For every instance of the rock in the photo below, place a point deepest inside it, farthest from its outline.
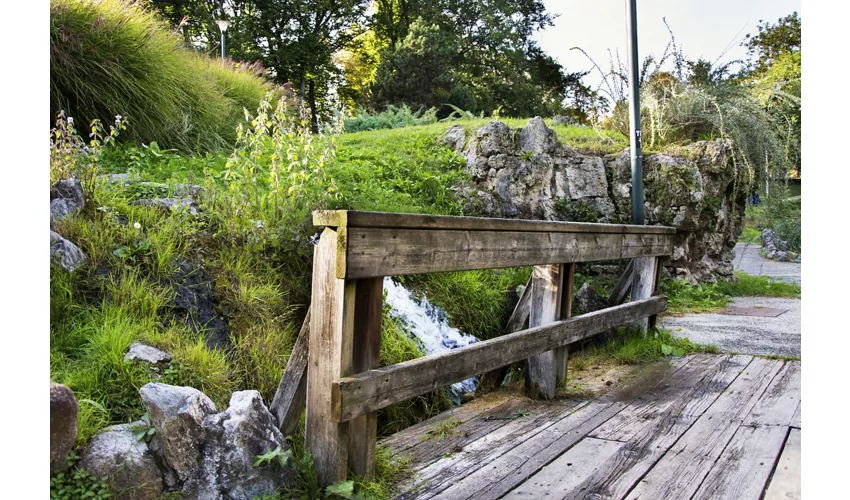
(454, 137)
(234, 437)
(586, 178)
(588, 300)
(173, 204)
(131, 467)
(193, 304)
(66, 198)
(563, 120)
(63, 425)
(141, 353)
(774, 248)
(178, 415)
(537, 138)
(69, 256)
(494, 138)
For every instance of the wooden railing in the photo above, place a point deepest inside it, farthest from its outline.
(345, 385)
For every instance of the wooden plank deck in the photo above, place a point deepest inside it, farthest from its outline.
(711, 426)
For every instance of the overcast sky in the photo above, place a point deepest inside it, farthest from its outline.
(701, 28)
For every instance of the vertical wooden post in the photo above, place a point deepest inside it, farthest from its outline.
(656, 288)
(541, 379)
(329, 358)
(565, 310)
(643, 285)
(363, 430)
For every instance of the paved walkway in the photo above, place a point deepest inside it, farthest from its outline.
(749, 334)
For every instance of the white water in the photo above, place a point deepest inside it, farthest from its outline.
(428, 323)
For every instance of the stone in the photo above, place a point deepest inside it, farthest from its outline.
(234, 437)
(131, 466)
(69, 256)
(588, 300)
(172, 204)
(454, 137)
(66, 198)
(177, 414)
(63, 425)
(141, 353)
(563, 120)
(537, 138)
(586, 178)
(494, 138)
(193, 304)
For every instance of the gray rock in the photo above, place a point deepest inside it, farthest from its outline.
(66, 198)
(194, 305)
(141, 353)
(563, 120)
(234, 437)
(588, 300)
(178, 415)
(494, 138)
(69, 256)
(454, 137)
(63, 425)
(131, 467)
(586, 179)
(186, 204)
(537, 138)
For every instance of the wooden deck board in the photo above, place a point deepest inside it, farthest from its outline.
(710, 426)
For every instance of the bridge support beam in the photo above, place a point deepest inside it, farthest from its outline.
(551, 300)
(645, 280)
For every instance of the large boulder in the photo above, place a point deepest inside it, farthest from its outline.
(128, 462)
(63, 425)
(233, 438)
(69, 255)
(537, 138)
(177, 414)
(588, 300)
(455, 137)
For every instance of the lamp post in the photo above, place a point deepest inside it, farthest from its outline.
(634, 117)
(223, 24)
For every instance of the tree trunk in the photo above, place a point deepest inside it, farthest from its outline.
(311, 96)
(301, 95)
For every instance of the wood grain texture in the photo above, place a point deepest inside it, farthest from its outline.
(363, 430)
(796, 421)
(541, 376)
(329, 358)
(744, 467)
(343, 218)
(382, 387)
(623, 286)
(786, 481)
(372, 252)
(290, 398)
(779, 403)
(681, 470)
(565, 311)
(643, 284)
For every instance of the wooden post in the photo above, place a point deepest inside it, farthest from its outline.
(363, 430)
(565, 310)
(643, 285)
(290, 397)
(329, 358)
(656, 289)
(541, 379)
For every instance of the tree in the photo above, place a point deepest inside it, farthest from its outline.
(772, 41)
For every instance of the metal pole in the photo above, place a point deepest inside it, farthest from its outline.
(222, 45)
(634, 118)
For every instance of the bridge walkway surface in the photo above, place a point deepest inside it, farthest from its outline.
(717, 426)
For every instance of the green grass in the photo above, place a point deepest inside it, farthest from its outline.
(629, 347)
(114, 57)
(759, 286)
(707, 297)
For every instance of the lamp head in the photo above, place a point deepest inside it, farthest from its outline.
(223, 24)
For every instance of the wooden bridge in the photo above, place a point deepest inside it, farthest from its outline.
(708, 426)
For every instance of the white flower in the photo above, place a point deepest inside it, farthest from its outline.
(118, 117)
(137, 225)
(70, 120)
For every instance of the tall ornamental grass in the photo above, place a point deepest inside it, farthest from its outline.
(114, 57)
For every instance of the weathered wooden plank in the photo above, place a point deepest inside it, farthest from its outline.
(329, 358)
(565, 311)
(342, 218)
(541, 376)
(744, 467)
(651, 425)
(796, 421)
(569, 470)
(372, 252)
(484, 454)
(517, 322)
(291, 395)
(623, 286)
(643, 285)
(785, 483)
(382, 387)
(680, 471)
(780, 401)
(363, 430)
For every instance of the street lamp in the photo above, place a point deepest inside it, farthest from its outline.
(223, 24)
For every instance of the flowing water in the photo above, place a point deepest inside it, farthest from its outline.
(428, 324)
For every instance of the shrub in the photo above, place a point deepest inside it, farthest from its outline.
(392, 117)
(113, 57)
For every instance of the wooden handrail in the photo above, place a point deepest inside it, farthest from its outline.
(382, 387)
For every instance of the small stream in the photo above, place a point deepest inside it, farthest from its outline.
(429, 325)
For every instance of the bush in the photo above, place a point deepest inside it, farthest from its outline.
(113, 57)
(392, 117)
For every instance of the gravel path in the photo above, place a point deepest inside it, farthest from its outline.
(748, 334)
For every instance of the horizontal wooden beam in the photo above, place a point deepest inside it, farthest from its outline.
(372, 252)
(382, 387)
(346, 218)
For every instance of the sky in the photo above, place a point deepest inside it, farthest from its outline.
(701, 28)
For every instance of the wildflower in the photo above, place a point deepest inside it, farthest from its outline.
(137, 225)
(118, 117)
(70, 120)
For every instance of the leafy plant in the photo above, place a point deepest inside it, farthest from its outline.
(282, 457)
(132, 251)
(78, 483)
(146, 431)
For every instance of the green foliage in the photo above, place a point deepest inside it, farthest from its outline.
(780, 214)
(772, 42)
(392, 117)
(575, 211)
(114, 57)
(759, 286)
(76, 484)
(630, 347)
(686, 298)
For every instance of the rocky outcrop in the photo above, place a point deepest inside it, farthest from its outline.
(67, 254)
(63, 425)
(66, 198)
(128, 462)
(525, 173)
(775, 248)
